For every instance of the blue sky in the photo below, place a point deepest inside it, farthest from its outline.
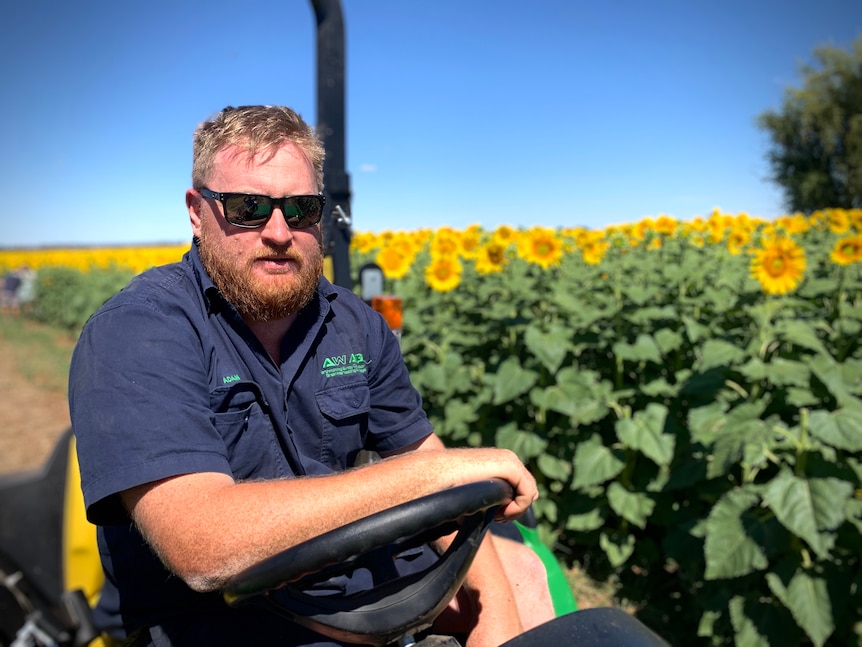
(547, 112)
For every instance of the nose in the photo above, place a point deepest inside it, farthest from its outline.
(276, 229)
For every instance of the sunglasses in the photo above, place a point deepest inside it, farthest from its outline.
(251, 211)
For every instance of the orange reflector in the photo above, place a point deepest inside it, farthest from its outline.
(391, 309)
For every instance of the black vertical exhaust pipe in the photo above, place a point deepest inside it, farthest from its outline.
(330, 128)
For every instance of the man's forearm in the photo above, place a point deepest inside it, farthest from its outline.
(207, 528)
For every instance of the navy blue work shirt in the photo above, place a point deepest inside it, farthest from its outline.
(167, 379)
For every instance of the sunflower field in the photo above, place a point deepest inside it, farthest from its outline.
(71, 283)
(687, 393)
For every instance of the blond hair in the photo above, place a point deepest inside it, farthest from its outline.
(255, 129)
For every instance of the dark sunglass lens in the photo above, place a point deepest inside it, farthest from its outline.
(247, 210)
(307, 212)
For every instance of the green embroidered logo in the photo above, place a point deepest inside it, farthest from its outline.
(343, 365)
(227, 379)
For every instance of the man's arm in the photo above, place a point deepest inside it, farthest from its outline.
(206, 527)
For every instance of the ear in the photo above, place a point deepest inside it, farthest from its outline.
(194, 203)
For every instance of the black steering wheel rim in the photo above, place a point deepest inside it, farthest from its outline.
(402, 604)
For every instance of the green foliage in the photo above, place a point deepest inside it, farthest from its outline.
(816, 154)
(39, 353)
(66, 297)
(691, 436)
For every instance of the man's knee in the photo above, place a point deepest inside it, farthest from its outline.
(522, 561)
(529, 581)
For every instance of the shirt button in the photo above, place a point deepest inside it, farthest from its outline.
(355, 403)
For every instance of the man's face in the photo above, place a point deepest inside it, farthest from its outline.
(270, 272)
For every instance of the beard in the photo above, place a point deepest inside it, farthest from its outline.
(258, 300)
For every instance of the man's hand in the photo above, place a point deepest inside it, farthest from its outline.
(470, 465)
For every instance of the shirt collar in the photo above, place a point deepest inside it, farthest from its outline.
(211, 294)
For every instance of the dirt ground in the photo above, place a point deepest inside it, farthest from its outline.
(31, 419)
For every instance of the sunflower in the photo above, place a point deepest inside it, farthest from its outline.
(395, 261)
(665, 225)
(839, 222)
(698, 239)
(491, 258)
(386, 237)
(445, 242)
(594, 251)
(418, 240)
(504, 235)
(716, 229)
(696, 225)
(743, 221)
(847, 250)
(470, 241)
(794, 224)
(541, 246)
(639, 230)
(737, 239)
(364, 242)
(778, 266)
(443, 273)
(582, 236)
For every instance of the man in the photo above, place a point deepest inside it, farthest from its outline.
(209, 434)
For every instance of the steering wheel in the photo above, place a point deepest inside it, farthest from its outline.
(396, 605)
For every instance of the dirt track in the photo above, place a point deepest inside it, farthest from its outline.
(31, 418)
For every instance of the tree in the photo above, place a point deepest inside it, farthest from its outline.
(816, 154)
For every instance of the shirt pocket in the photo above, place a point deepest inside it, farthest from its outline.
(240, 416)
(344, 413)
